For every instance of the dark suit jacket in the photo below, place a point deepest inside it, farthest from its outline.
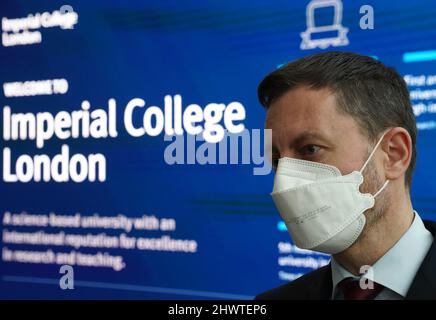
(317, 285)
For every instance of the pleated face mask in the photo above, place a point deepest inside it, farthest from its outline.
(322, 209)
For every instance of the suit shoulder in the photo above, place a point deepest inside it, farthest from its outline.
(297, 289)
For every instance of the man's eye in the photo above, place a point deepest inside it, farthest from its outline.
(310, 149)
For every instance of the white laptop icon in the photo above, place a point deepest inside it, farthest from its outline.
(326, 35)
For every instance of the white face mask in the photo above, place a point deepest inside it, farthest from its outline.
(322, 209)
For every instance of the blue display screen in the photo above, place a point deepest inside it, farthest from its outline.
(92, 178)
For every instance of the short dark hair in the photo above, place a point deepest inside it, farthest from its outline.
(375, 95)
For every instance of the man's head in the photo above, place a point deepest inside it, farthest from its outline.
(333, 107)
(333, 84)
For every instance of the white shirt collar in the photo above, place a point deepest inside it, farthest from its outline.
(397, 268)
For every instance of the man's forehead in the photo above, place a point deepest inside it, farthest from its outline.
(302, 107)
(308, 112)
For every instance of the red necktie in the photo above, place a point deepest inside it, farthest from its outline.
(352, 291)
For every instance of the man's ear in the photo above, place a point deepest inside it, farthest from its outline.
(397, 146)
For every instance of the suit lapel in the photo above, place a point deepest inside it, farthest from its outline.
(322, 289)
(424, 284)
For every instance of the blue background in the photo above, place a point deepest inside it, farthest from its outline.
(207, 51)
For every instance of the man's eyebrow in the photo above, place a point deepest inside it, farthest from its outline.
(301, 138)
(308, 135)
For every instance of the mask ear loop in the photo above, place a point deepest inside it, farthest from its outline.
(372, 153)
(369, 159)
(381, 189)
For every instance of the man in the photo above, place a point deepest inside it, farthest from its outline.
(344, 150)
